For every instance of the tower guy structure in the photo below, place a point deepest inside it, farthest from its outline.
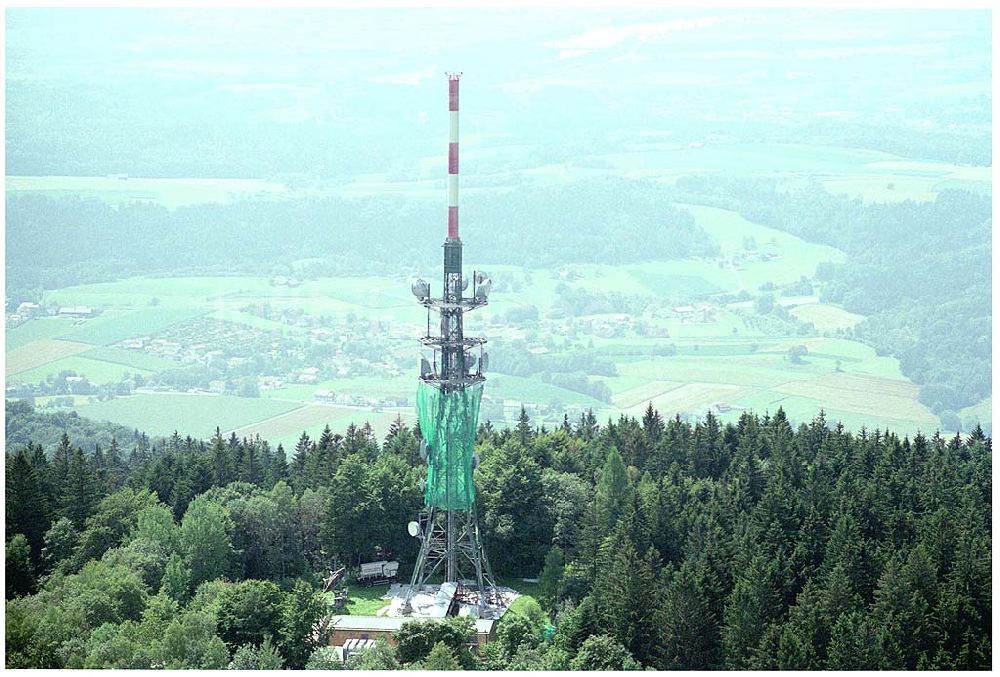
(448, 396)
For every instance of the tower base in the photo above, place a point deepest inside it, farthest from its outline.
(452, 546)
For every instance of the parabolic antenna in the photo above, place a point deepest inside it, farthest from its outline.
(420, 288)
(414, 529)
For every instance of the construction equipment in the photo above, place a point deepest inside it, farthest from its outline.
(377, 573)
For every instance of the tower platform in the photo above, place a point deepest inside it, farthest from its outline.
(447, 599)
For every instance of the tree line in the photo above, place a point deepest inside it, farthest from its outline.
(578, 222)
(657, 543)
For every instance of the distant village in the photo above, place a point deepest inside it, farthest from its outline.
(293, 348)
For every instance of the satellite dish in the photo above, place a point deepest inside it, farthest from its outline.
(483, 289)
(465, 283)
(420, 288)
(423, 449)
(413, 528)
(480, 276)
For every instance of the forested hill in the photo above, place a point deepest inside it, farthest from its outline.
(579, 222)
(658, 543)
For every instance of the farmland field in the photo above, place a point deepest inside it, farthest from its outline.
(637, 395)
(826, 317)
(96, 371)
(295, 421)
(129, 358)
(112, 326)
(286, 428)
(861, 395)
(690, 397)
(38, 328)
(196, 415)
(39, 352)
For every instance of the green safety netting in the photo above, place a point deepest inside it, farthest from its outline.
(448, 424)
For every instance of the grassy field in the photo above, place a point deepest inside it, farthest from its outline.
(868, 390)
(857, 394)
(171, 291)
(40, 352)
(690, 397)
(362, 601)
(249, 320)
(365, 386)
(507, 387)
(285, 428)
(982, 411)
(114, 326)
(129, 358)
(797, 257)
(289, 423)
(645, 392)
(826, 317)
(195, 415)
(39, 328)
(96, 371)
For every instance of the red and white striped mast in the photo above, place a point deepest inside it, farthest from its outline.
(453, 369)
(453, 155)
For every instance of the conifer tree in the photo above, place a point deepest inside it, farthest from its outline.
(25, 503)
(116, 468)
(628, 597)
(18, 568)
(613, 494)
(297, 468)
(525, 432)
(550, 580)
(59, 471)
(652, 426)
(223, 470)
(277, 469)
(690, 628)
(750, 608)
(79, 493)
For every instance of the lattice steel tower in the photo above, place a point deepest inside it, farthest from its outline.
(448, 396)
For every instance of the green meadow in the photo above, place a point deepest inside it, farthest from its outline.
(197, 415)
